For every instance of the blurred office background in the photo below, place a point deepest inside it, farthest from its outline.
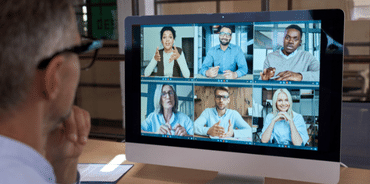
(100, 93)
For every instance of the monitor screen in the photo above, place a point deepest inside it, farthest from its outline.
(260, 84)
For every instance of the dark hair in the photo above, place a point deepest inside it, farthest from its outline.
(296, 27)
(222, 89)
(228, 27)
(168, 28)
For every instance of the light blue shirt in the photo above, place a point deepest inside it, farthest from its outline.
(21, 164)
(209, 117)
(281, 132)
(229, 59)
(287, 56)
(154, 121)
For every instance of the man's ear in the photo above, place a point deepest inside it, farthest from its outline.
(52, 77)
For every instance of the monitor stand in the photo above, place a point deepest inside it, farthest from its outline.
(222, 178)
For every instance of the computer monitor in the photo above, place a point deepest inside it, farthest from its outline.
(244, 94)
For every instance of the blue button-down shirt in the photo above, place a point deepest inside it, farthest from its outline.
(229, 59)
(209, 117)
(21, 164)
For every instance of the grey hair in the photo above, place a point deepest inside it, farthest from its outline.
(31, 30)
(158, 108)
(275, 111)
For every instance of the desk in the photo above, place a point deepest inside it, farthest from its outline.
(97, 151)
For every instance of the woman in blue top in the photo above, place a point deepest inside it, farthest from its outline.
(166, 119)
(283, 125)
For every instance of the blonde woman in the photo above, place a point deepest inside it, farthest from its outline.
(283, 125)
(166, 119)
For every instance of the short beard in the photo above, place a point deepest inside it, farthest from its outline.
(224, 44)
(218, 108)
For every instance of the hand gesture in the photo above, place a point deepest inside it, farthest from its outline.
(230, 132)
(179, 130)
(175, 55)
(286, 117)
(212, 72)
(165, 129)
(216, 130)
(228, 74)
(282, 116)
(65, 143)
(157, 56)
(289, 76)
(267, 73)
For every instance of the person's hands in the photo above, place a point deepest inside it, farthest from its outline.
(267, 73)
(157, 56)
(228, 74)
(286, 117)
(179, 130)
(175, 55)
(212, 72)
(282, 116)
(289, 76)
(216, 130)
(65, 144)
(230, 132)
(165, 129)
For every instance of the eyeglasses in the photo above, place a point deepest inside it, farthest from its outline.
(221, 97)
(225, 33)
(170, 93)
(80, 49)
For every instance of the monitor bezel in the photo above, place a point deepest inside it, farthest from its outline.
(330, 82)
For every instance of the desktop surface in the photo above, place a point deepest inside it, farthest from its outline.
(98, 151)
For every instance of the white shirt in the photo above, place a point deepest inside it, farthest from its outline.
(21, 164)
(168, 67)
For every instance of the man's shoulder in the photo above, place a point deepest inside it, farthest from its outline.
(276, 53)
(304, 53)
(14, 171)
(209, 111)
(233, 112)
(233, 46)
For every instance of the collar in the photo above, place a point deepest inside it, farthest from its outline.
(215, 111)
(230, 46)
(290, 55)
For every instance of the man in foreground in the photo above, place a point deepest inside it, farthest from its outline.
(289, 63)
(41, 133)
(225, 59)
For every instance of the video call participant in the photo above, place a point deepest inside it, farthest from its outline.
(220, 121)
(291, 64)
(226, 59)
(283, 125)
(166, 119)
(170, 61)
(42, 134)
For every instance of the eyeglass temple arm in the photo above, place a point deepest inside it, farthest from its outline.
(93, 61)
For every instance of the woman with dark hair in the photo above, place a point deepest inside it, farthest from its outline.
(170, 61)
(166, 119)
(283, 125)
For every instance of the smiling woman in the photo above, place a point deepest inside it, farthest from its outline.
(170, 61)
(283, 125)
